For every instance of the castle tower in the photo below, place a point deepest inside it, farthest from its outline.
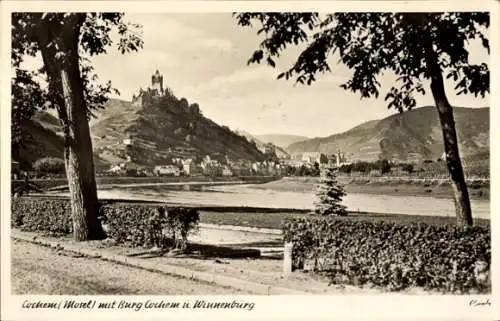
(157, 82)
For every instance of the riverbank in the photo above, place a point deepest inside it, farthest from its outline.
(390, 186)
(112, 181)
(438, 188)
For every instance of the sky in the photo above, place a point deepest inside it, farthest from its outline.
(203, 57)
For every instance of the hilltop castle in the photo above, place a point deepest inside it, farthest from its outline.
(155, 91)
(157, 82)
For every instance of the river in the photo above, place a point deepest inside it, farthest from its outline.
(246, 195)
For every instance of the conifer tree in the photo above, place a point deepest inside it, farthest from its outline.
(330, 192)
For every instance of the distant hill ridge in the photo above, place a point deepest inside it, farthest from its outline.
(281, 140)
(280, 151)
(413, 135)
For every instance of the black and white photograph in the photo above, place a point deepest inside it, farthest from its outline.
(226, 155)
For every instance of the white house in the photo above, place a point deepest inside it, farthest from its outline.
(177, 160)
(115, 169)
(226, 171)
(187, 166)
(167, 170)
(311, 157)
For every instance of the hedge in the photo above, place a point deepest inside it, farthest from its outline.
(127, 224)
(51, 165)
(391, 255)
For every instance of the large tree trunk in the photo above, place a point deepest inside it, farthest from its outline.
(59, 47)
(445, 112)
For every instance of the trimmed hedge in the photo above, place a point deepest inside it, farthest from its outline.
(127, 224)
(52, 217)
(393, 256)
(143, 225)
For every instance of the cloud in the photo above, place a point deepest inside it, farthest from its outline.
(160, 32)
(216, 43)
(163, 29)
(311, 111)
(243, 78)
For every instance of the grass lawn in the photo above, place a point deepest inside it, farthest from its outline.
(273, 220)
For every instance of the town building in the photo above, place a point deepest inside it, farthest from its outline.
(226, 171)
(167, 170)
(189, 167)
(311, 157)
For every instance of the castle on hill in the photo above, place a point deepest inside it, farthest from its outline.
(156, 90)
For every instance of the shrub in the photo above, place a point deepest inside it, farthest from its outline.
(407, 168)
(49, 165)
(384, 166)
(137, 225)
(127, 224)
(179, 222)
(346, 168)
(133, 225)
(393, 255)
(50, 216)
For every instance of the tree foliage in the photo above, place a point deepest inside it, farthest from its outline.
(30, 91)
(372, 43)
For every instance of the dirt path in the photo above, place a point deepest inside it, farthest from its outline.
(40, 270)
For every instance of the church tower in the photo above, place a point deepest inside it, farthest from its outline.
(157, 82)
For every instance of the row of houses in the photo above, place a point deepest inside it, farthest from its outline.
(310, 158)
(208, 166)
(176, 167)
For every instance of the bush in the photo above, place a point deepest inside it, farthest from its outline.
(391, 255)
(346, 168)
(384, 166)
(407, 168)
(139, 225)
(180, 222)
(53, 217)
(49, 165)
(127, 224)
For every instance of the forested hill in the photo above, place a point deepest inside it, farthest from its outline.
(164, 128)
(412, 135)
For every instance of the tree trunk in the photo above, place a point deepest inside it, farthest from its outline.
(59, 47)
(445, 112)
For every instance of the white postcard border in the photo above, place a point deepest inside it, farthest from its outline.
(390, 306)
